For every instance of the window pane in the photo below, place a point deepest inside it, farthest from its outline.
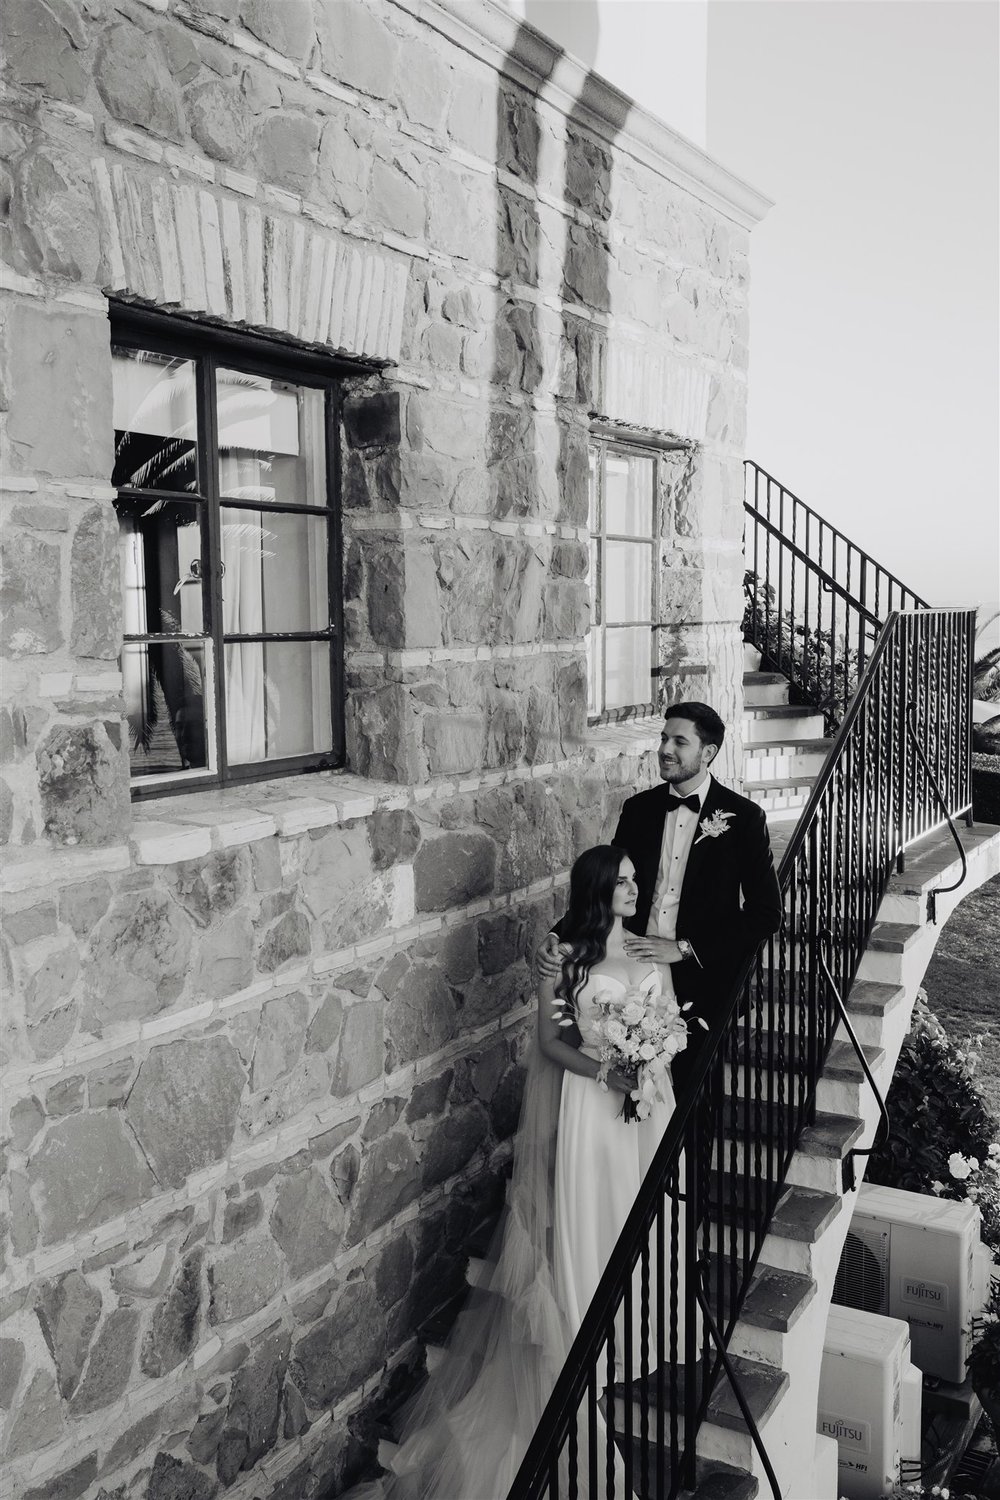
(155, 418)
(165, 699)
(161, 563)
(594, 460)
(629, 666)
(276, 573)
(595, 689)
(271, 440)
(628, 582)
(628, 494)
(277, 699)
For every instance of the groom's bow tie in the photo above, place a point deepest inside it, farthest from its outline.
(693, 803)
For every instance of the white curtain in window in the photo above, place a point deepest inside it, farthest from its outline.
(243, 614)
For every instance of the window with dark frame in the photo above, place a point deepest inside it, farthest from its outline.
(623, 575)
(230, 557)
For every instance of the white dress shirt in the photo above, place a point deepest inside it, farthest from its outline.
(678, 839)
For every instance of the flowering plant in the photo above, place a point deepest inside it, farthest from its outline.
(638, 1034)
(984, 1356)
(944, 1139)
(917, 1491)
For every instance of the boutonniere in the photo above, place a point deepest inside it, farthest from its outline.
(712, 827)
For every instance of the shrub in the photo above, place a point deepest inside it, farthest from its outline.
(822, 667)
(943, 1137)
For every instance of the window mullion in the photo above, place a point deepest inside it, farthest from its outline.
(209, 428)
(602, 550)
(335, 563)
(657, 569)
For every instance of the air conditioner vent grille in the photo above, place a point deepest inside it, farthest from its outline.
(863, 1274)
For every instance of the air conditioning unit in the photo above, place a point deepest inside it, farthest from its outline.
(869, 1401)
(917, 1257)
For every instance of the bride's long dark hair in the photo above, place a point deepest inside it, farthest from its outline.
(587, 923)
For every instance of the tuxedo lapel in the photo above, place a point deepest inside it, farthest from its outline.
(699, 861)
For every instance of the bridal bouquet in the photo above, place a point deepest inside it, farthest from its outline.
(638, 1034)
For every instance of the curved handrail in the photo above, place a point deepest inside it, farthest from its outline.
(938, 890)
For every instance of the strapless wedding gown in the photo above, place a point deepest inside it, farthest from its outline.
(601, 1161)
(577, 1169)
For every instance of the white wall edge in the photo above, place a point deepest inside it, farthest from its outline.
(492, 33)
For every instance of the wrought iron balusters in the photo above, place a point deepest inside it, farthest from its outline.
(720, 1169)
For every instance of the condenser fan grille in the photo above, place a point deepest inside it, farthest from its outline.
(861, 1275)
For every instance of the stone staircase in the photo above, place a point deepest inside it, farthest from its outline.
(783, 748)
(778, 1338)
(777, 1341)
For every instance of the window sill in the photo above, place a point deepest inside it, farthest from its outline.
(188, 827)
(629, 737)
(170, 830)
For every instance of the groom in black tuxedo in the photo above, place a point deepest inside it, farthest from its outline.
(708, 894)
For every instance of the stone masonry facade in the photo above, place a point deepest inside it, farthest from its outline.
(263, 1047)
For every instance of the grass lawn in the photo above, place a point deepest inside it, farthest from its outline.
(963, 981)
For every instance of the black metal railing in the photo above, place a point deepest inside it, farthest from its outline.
(625, 1412)
(815, 600)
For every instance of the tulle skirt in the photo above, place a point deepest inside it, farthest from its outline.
(577, 1169)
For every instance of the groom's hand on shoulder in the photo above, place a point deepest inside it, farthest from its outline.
(549, 958)
(657, 949)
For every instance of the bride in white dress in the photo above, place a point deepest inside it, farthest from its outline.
(577, 1168)
(600, 1160)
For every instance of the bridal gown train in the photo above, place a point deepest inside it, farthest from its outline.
(577, 1169)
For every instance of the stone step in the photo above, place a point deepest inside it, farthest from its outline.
(842, 1061)
(886, 941)
(762, 1386)
(893, 937)
(751, 658)
(783, 797)
(829, 1135)
(713, 1480)
(932, 862)
(817, 1161)
(725, 1435)
(867, 997)
(775, 723)
(783, 800)
(763, 688)
(775, 1299)
(870, 997)
(897, 953)
(801, 1213)
(784, 760)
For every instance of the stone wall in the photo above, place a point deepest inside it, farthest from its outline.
(262, 1046)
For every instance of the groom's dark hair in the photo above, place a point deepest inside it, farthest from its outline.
(710, 728)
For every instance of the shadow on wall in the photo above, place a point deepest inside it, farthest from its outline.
(537, 458)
